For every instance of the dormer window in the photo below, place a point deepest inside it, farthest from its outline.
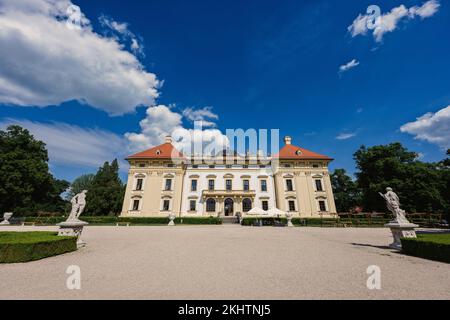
(158, 152)
(298, 152)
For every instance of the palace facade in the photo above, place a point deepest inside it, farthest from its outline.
(162, 180)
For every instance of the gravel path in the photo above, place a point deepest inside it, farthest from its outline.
(227, 262)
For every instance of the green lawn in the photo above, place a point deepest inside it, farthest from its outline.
(29, 246)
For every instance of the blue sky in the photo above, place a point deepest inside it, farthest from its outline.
(244, 64)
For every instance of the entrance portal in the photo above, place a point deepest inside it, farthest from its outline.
(229, 207)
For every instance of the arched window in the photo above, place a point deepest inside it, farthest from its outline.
(211, 205)
(246, 205)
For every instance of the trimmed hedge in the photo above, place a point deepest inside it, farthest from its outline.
(29, 246)
(112, 220)
(428, 246)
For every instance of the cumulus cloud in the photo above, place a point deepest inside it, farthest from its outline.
(73, 145)
(161, 121)
(345, 135)
(350, 65)
(45, 62)
(388, 22)
(205, 115)
(431, 127)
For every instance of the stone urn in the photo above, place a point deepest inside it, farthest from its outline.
(172, 218)
(6, 217)
(289, 219)
(401, 230)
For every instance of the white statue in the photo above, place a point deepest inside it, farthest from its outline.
(393, 204)
(78, 204)
(6, 217)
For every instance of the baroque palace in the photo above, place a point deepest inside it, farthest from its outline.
(162, 180)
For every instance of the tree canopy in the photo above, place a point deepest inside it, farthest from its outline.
(26, 185)
(421, 186)
(347, 195)
(106, 192)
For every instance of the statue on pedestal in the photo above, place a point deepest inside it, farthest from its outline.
(73, 226)
(400, 226)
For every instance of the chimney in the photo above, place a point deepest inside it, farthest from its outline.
(287, 140)
(169, 139)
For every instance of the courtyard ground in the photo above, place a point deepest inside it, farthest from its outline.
(227, 262)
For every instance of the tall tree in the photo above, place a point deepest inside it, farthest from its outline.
(83, 182)
(26, 185)
(106, 191)
(346, 193)
(418, 184)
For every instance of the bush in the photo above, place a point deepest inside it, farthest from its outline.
(29, 246)
(112, 220)
(315, 222)
(428, 246)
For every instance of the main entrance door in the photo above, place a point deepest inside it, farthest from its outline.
(229, 207)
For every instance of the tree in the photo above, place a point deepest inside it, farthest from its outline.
(106, 192)
(418, 184)
(26, 185)
(346, 193)
(83, 182)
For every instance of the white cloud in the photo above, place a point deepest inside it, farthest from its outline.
(161, 121)
(73, 145)
(121, 31)
(346, 135)
(388, 22)
(43, 62)
(205, 115)
(352, 64)
(431, 127)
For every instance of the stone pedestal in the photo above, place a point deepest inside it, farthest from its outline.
(171, 218)
(72, 228)
(6, 218)
(289, 220)
(401, 230)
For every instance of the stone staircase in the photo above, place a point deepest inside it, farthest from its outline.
(228, 220)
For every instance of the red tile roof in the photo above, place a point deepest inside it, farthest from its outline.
(163, 151)
(292, 152)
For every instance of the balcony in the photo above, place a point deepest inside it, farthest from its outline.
(228, 193)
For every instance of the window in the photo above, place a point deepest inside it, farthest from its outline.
(319, 185)
(263, 185)
(195, 166)
(166, 205)
(246, 185)
(315, 165)
(229, 166)
(142, 165)
(168, 184)
(210, 185)
(229, 185)
(212, 166)
(245, 166)
(246, 205)
(193, 185)
(170, 165)
(136, 205)
(265, 205)
(192, 205)
(322, 206)
(210, 205)
(139, 184)
(287, 165)
(289, 186)
(262, 166)
(291, 205)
